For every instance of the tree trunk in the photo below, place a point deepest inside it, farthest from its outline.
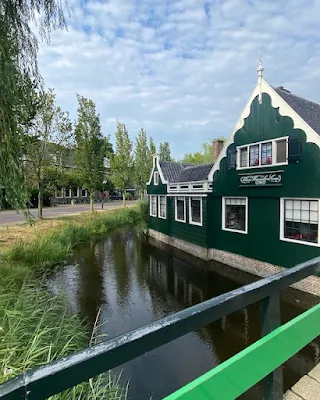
(91, 202)
(124, 199)
(40, 199)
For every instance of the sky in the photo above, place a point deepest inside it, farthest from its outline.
(181, 69)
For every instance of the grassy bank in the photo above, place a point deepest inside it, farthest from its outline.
(34, 326)
(32, 249)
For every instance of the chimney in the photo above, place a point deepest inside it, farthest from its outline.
(217, 146)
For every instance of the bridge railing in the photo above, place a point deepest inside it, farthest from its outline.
(53, 378)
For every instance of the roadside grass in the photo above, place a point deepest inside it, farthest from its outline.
(48, 242)
(35, 327)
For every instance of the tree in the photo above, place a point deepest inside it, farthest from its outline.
(142, 157)
(91, 147)
(19, 75)
(202, 157)
(121, 162)
(164, 152)
(45, 142)
(152, 146)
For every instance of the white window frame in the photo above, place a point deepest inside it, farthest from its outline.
(176, 209)
(245, 232)
(165, 205)
(77, 195)
(190, 211)
(281, 236)
(65, 192)
(150, 211)
(156, 175)
(274, 153)
(86, 191)
(59, 197)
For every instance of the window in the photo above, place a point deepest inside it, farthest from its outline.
(180, 209)
(83, 192)
(156, 178)
(254, 155)
(153, 206)
(281, 146)
(75, 192)
(58, 193)
(244, 157)
(195, 210)
(300, 221)
(267, 153)
(162, 207)
(235, 214)
(66, 192)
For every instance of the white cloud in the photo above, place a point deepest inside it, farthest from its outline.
(181, 69)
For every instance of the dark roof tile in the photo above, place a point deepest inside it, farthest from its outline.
(308, 110)
(177, 172)
(195, 173)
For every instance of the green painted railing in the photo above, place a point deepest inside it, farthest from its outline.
(238, 374)
(226, 381)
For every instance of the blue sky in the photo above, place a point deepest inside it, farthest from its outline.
(182, 69)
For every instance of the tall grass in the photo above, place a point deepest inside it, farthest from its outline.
(36, 329)
(57, 244)
(34, 326)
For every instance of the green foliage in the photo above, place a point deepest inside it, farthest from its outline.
(205, 156)
(164, 152)
(50, 249)
(152, 147)
(142, 162)
(121, 162)
(202, 157)
(46, 142)
(143, 206)
(128, 196)
(91, 147)
(19, 78)
(36, 329)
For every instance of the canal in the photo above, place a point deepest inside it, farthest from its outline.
(135, 283)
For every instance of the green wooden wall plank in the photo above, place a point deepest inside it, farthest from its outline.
(236, 375)
(262, 241)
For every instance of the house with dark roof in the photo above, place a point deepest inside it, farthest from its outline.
(258, 203)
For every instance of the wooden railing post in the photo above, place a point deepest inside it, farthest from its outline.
(271, 320)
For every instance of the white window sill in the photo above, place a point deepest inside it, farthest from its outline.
(300, 242)
(235, 231)
(263, 166)
(195, 223)
(153, 215)
(180, 220)
(162, 217)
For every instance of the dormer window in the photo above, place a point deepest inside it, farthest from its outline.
(262, 154)
(156, 178)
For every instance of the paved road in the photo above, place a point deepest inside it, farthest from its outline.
(9, 217)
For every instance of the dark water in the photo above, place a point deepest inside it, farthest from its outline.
(135, 284)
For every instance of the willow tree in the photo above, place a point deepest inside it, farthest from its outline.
(19, 76)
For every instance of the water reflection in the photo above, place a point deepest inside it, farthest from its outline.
(135, 284)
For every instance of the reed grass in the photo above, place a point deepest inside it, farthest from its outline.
(35, 329)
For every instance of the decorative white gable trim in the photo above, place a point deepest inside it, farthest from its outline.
(156, 163)
(284, 109)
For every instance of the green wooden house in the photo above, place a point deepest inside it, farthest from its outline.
(258, 203)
